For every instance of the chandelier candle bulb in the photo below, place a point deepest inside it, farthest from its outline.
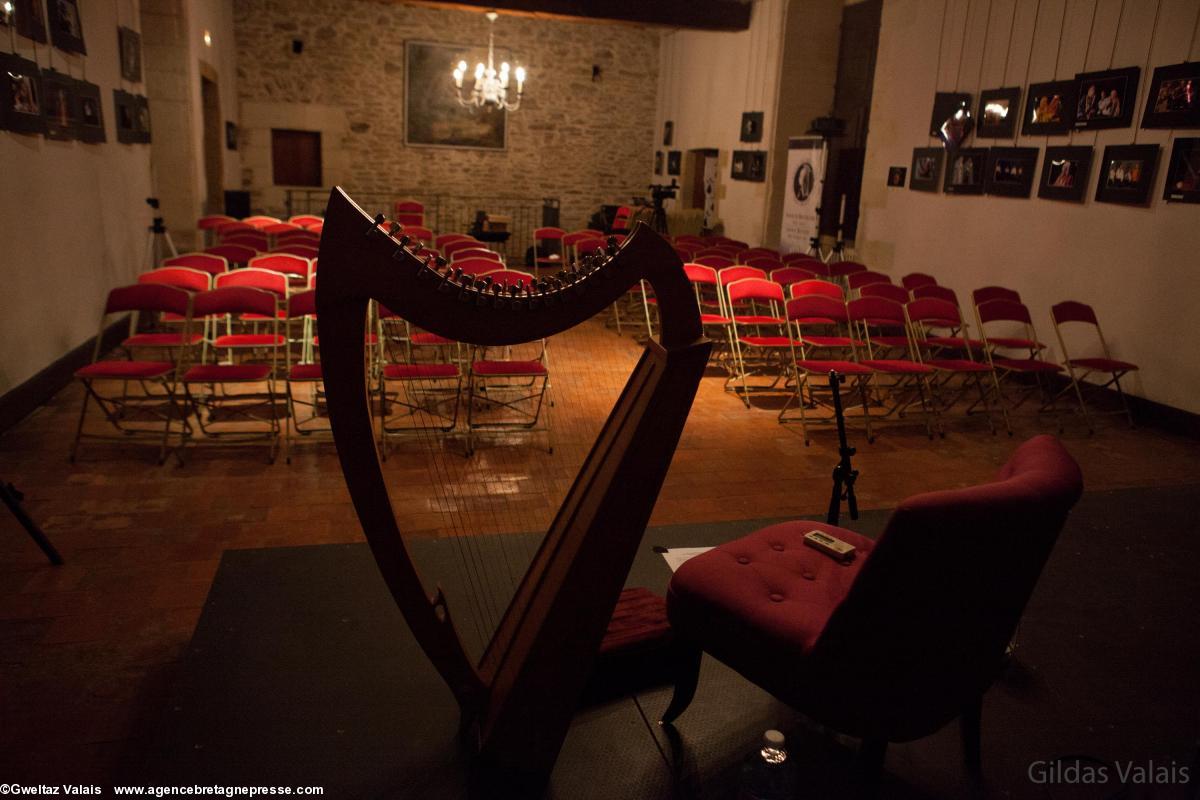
(491, 86)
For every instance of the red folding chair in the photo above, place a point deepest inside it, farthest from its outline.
(897, 294)
(716, 262)
(260, 221)
(297, 268)
(914, 279)
(409, 212)
(418, 233)
(476, 265)
(315, 227)
(450, 248)
(988, 293)
(1079, 369)
(304, 220)
(207, 262)
(148, 414)
(247, 413)
(302, 250)
(570, 240)
(446, 238)
(731, 253)
(475, 252)
(234, 254)
(621, 219)
(900, 380)
(301, 237)
(708, 291)
(508, 393)
(257, 240)
(857, 280)
(1026, 373)
(935, 292)
(305, 378)
(762, 262)
(786, 276)
(235, 228)
(760, 252)
(951, 354)
(207, 227)
(725, 241)
(818, 286)
(759, 330)
(844, 269)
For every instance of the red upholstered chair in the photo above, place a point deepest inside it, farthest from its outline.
(914, 629)
(508, 393)
(886, 350)
(1072, 311)
(315, 227)
(234, 254)
(208, 262)
(844, 269)
(446, 238)
(208, 226)
(293, 266)
(761, 340)
(130, 414)
(943, 293)
(621, 219)
(760, 252)
(994, 293)
(418, 232)
(914, 279)
(857, 280)
(715, 261)
(450, 248)
(409, 212)
(1022, 371)
(475, 252)
(762, 262)
(939, 340)
(786, 276)
(258, 240)
(304, 220)
(897, 294)
(302, 237)
(302, 250)
(260, 222)
(712, 309)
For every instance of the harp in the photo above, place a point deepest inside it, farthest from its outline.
(517, 700)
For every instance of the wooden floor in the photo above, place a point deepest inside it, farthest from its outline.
(87, 649)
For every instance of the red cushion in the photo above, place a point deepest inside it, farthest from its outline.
(843, 367)
(249, 340)
(897, 366)
(1026, 365)
(125, 370)
(1103, 364)
(768, 341)
(829, 341)
(370, 338)
(958, 365)
(305, 372)
(890, 341)
(159, 340)
(767, 593)
(222, 373)
(750, 319)
(509, 368)
(955, 341)
(1014, 342)
(430, 338)
(713, 319)
(410, 371)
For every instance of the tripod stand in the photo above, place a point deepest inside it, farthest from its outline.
(158, 239)
(12, 498)
(844, 475)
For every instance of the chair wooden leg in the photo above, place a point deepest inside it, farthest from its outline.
(685, 666)
(969, 727)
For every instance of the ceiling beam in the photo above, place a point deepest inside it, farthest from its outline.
(709, 15)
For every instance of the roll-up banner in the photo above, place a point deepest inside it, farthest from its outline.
(802, 196)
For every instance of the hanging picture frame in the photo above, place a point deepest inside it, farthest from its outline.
(1010, 171)
(1065, 172)
(674, 162)
(749, 165)
(926, 169)
(752, 126)
(129, 42)
(945, 105)
(141, 118)
(91, 113)
(1174, 97)
(1126, 174)
(66, 27)
(1106, 99)
(60, 106)
(125, 115)
(231, 135)
(1049, 108)
(30, 20)
(965, 171)
(658, 162)
(998, 112)
(432, 114)
(668, 133)
(21, 98)
(1183, 172)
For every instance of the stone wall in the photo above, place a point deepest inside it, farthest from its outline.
(585, 142)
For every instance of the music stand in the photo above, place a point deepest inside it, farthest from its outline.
(844, 474)
(12, 498)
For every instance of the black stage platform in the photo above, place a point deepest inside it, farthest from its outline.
(302, 672)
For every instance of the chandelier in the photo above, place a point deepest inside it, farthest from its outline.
(491, 86)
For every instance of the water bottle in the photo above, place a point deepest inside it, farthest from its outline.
(768, 773)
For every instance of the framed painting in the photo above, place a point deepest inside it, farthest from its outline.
(1126, 174)
(141, 118)
(749, 165)
(66, 29)
(1183, 172)
(896, 176)
(965, 171)
(1174, 97)
(926, 168)
(30, 19)
(1065, 172)
(91, 113)
(674, 162)
(945, 106)
(432, 115)
(1049, 108)
(61, 106)
(658, 162)
(21, 100)
(998, 112)
(1010, 171)
(125, 113)
(130, 43)
(1106, 99)
(752, 126)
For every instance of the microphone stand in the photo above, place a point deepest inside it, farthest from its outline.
(12, 498)
(844, 474)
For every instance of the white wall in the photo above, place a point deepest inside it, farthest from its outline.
(706, 81)
(215, 16)
(72, 216)
(1136, 266)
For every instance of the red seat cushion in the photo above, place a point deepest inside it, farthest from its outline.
(1026, 365)
(897, 366)
(958, 365)
(430, 338)
(843, 367)
(1014, 343)
(249, 340)
(226, 373)
(829, 341)
(1103, 364)
(757, 320)
(160, 340)
(767, 594)
(713, 319)
(512, 368)
(370, 338)
(769, 341)
(125, 370)
(305, 372)
(411, 371)
(955, 341)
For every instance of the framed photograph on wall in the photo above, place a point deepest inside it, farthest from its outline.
(752, 126)
(1174, 97)
(1010, 171)
(141, 118)
(945, 105)
(658, 162)
(66, 29)
(1127, 173)
(231, 139)
(1065, 172)
(91, 113)
(432, 115)
(1049, 108)
(998, 112)
(926, 169)
(896, 176)
(130, 43)
(668, 133)
(749, 165)
(61, 106)
(30, 20)
(125, 113)
(1106, 99)
(21, 95)
(1183, 172)
(674, 162)
(965, 171)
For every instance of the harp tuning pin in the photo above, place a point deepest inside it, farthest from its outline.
(441, 262)
(458, 274)
(514, 289)
(444, 286)
(612, 247)
(404, 240)
(379, 218)
(394, 228)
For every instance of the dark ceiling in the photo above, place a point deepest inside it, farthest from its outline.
(711, 15)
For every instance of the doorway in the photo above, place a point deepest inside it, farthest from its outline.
(701, 187)
(214, 156)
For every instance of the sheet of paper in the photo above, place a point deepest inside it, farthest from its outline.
(677, 555)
